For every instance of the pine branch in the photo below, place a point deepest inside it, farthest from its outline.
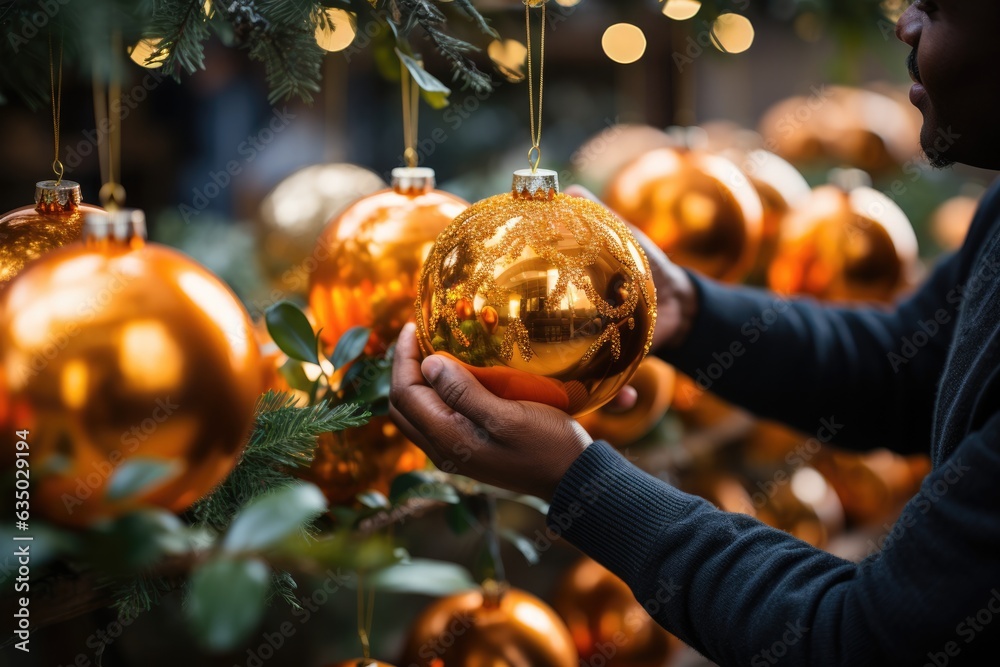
(283, 440)
(182, 27)
(139, 594)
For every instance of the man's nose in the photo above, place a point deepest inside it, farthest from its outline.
(908, 26)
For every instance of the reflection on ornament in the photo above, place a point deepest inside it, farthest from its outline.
(700, 209)
(654, 383)
(498, 628)
(29, 232)
(600, 610)
(571, 287)
(297, 210)
(872, 486)
(951, 220)
(367, 458)
(115, 350)
(840, 245)
(606, 153)
(860, 128)
(373, 253)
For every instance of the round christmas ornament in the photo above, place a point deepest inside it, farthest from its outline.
(951, 220)
(360, 662)
(654, 383)
(871, 486)
(367, 458)
(606, 153)
(118, 353)
(543, 296)
(499, 628)
(698, 208)
(56, 219)
(372, 256)
(846, 242)
(294, 214)
(601, 610)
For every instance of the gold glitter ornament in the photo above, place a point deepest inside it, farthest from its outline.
(31, 231)
(562, 300)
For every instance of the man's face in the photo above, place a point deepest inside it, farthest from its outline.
(956, 68)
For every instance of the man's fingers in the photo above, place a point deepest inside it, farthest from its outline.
(462, 392)
(582, 192)
(408, 430)
(624, 401)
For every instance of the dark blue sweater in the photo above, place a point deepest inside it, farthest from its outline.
(922, 377)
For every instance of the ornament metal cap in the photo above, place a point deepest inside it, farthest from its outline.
(539, 184)
(57, 194)
(413, 179)
(124, 225)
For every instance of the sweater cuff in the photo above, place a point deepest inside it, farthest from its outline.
(612, 511)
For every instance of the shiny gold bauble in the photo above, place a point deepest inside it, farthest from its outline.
(113, 351)
(698, 208)
(951, 220)
(606, 153)
(570, 286)
(606, 621)
(874, 486)
(654, 385)
(489, 629)
(845, 246)
(372, 256)
(367, 458)
(29, 232)
(295, 213)
(360, 662)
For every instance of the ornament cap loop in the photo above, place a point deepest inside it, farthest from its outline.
(125, 226)
(413, 180)
(540, 184)
(51, 196)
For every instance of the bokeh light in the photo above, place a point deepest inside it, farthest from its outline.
(681, 10)
(732, 33)
(141, 52)
(345, 27)
(624, 43)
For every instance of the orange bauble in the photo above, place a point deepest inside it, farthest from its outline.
(371, 257)
(654, 384)
(115, 350)
(699, 208)
(360, 662)
(607, 622)
(361, 459)
(951, 220)
(29, 232)
(841, 245)
(492, 628)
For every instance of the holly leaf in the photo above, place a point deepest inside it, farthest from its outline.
(290, 329)
(414, 485)
(139, 475)
(426, 577)
(522, 544)
(460, 519)
(226, 600)
(373, 499)
(350, 346)
(432, 90)
(295, 375)
(268, 520)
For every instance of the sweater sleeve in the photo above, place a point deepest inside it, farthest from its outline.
(746, 594)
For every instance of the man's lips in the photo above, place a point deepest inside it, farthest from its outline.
(912, 67)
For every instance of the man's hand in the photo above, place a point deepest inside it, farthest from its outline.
(463, 428)
(676, 299)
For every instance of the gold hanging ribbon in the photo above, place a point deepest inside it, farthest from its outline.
(107, 113)
(535, 152)
(56, 88)
(365, 617)
(411, 115)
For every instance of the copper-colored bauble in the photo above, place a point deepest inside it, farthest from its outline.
(489, 629)
(115, 350)
(570, 286)
(843, 246)
(698, 208)
(800, 502)
(872, 486)
(951, 220)
(372, 255)
(607, 622)
(654, 385)
(360, 662)
(606, 153)
(29, 232)
(295, 213)
(860, 128)
(367, 458)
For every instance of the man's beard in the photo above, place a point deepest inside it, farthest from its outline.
(929, 135)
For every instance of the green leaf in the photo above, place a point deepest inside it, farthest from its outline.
(350, 346)
(291, 331)
(271, 518)
(226, 601)
(414, 485)
(460, 519)
(295, 375)
(139, 475)
(522, 543)
(433, 91)
(428, 577)
(373, 499)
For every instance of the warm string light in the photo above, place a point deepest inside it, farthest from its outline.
(56, 89)
(535, 152)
